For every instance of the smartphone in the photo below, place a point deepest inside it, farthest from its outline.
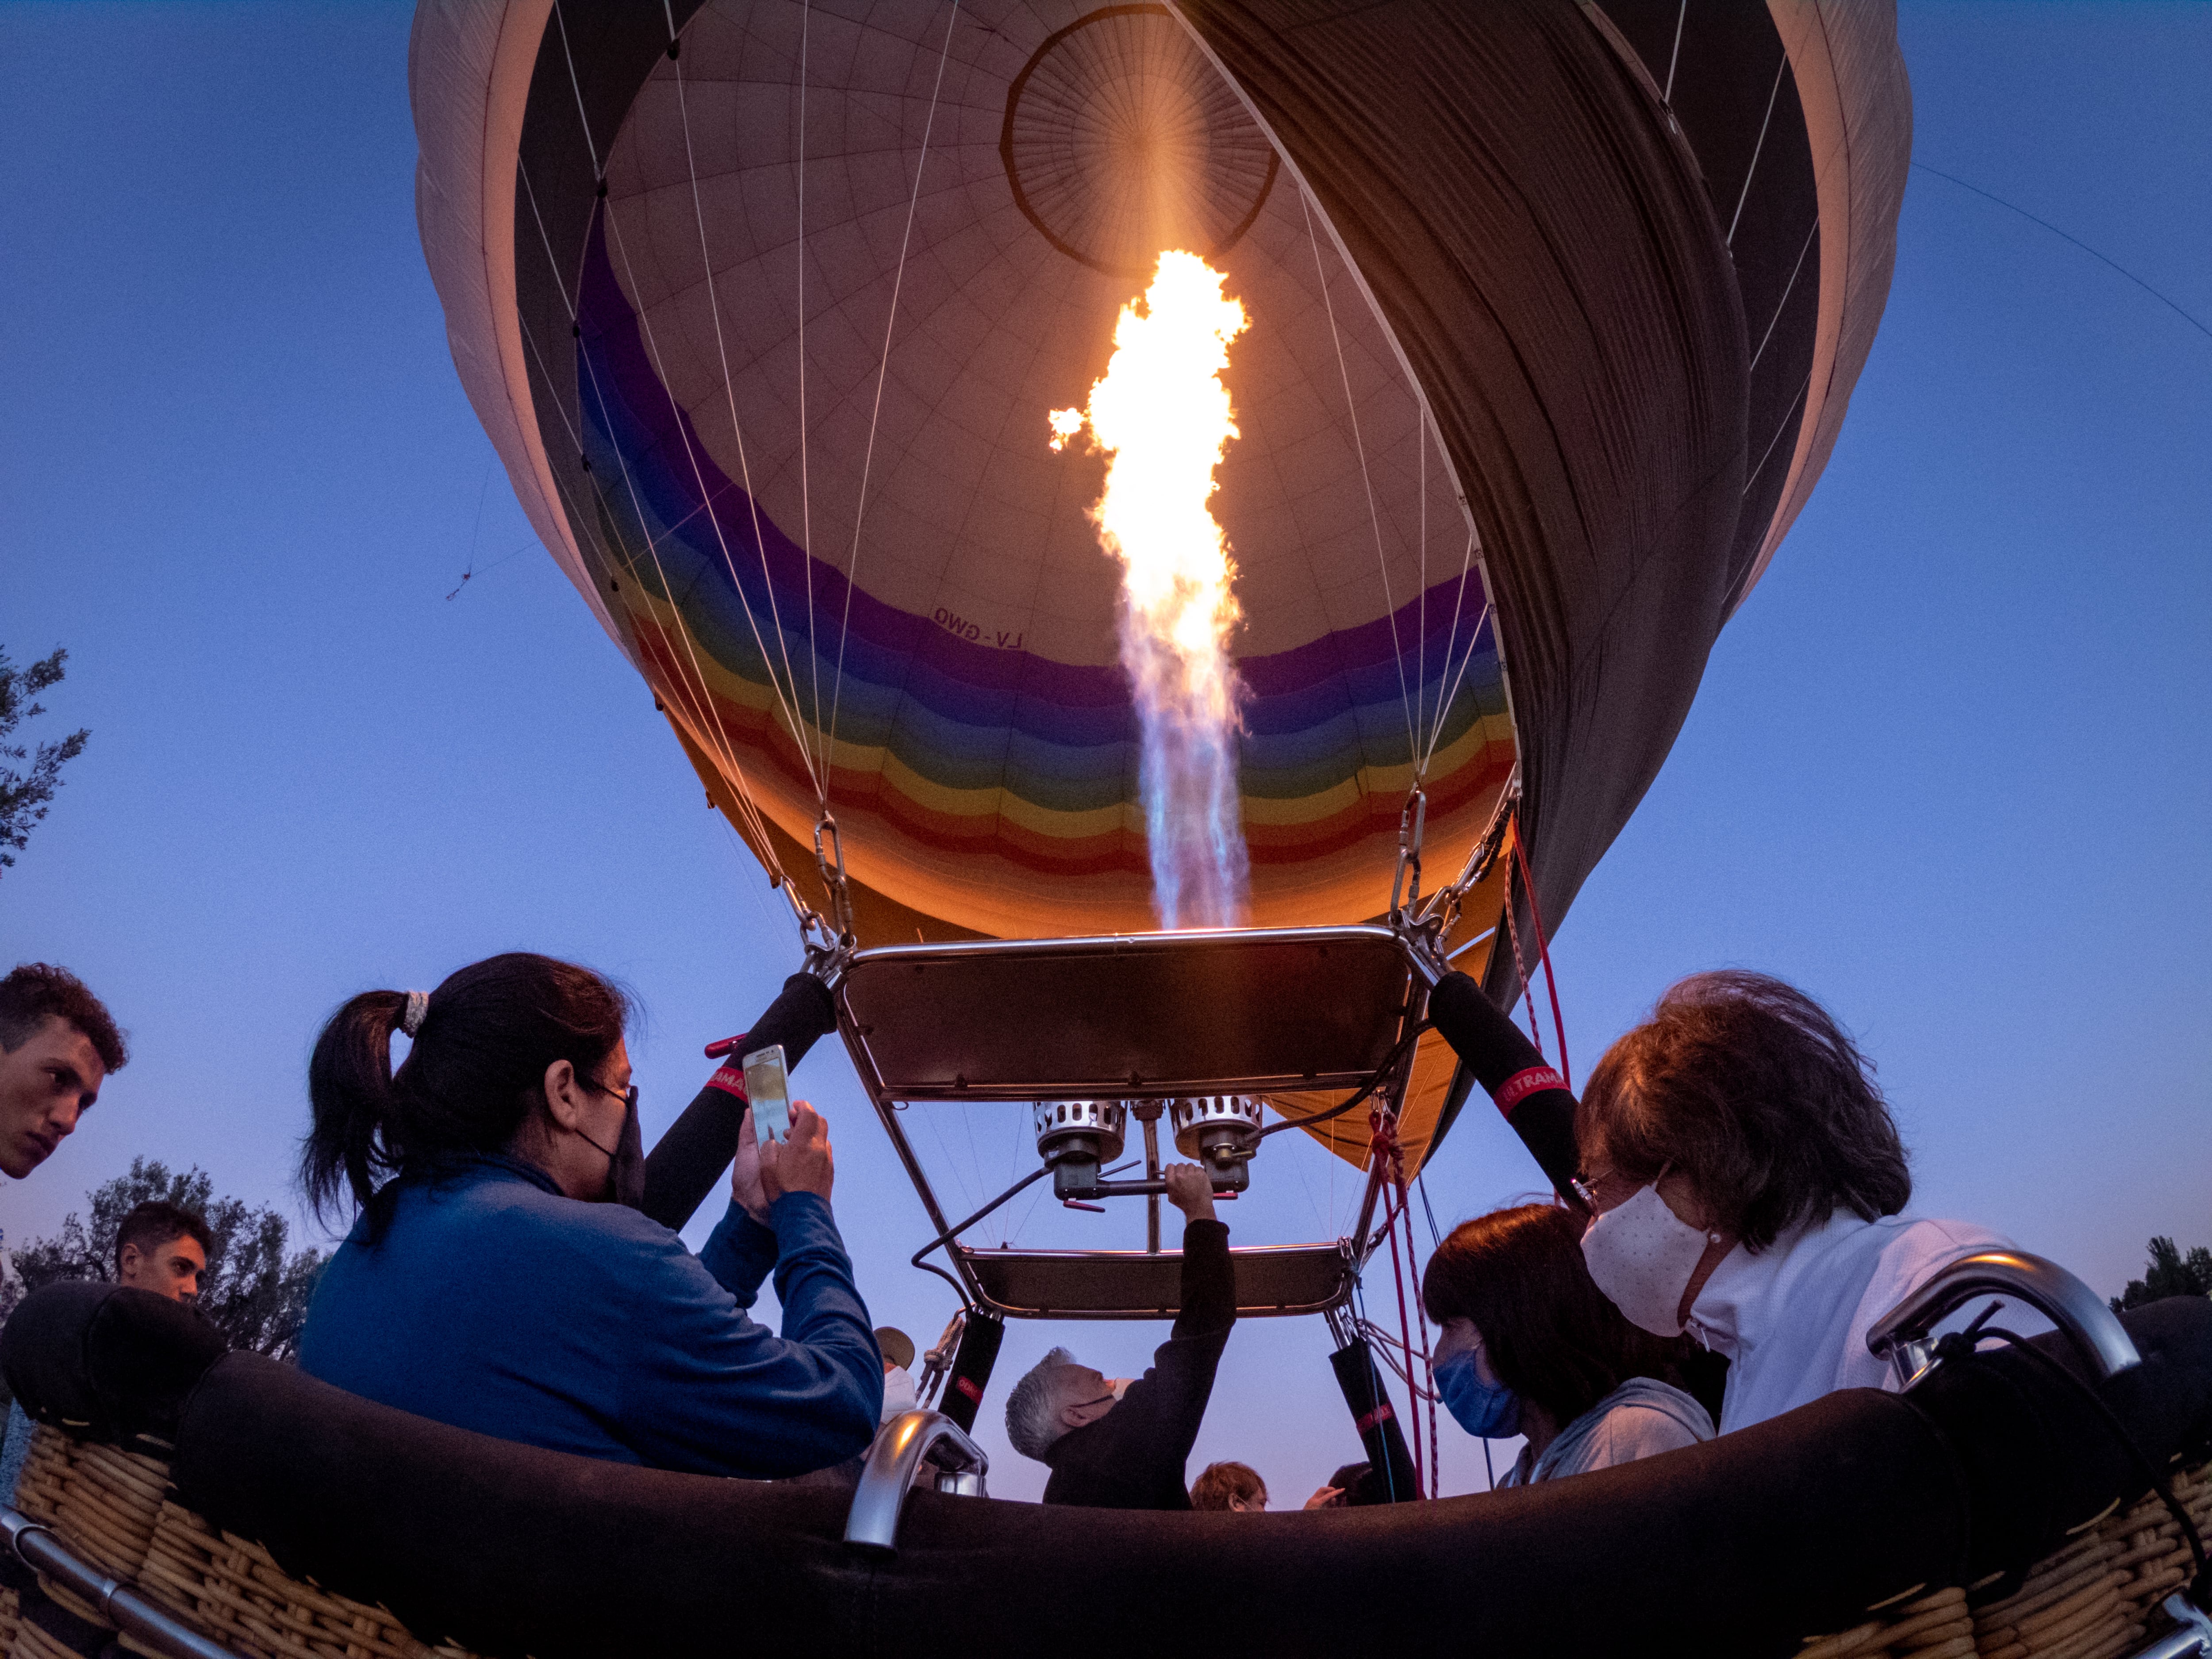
(769, 1093)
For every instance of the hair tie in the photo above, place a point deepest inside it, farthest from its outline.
(411, 1018)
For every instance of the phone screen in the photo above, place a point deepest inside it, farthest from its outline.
(770, 1094)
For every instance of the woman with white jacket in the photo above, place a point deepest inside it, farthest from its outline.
(1745, 1182)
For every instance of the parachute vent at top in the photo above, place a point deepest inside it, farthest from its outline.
(1121, 140)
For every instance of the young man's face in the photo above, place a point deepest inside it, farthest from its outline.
(44, 1086)
(172, 1269)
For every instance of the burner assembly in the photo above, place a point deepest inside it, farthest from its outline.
(1078, 1138)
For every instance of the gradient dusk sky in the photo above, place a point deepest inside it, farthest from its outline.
(1951, 767)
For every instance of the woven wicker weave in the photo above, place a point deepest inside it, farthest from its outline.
(2096, 1598)
(112, 1507)
(32, 1643)
(235, 1591)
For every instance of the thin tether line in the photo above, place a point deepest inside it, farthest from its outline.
(1787, 288)
(1787, 418)
(1752, 172)
(1674, 56)
(875, 415)
(2037, 219)
(1374, 518)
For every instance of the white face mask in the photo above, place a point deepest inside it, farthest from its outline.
(1641, 1255)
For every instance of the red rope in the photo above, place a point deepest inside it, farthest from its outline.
(1428, 1369)
(1384, 1141)
(1543, 948)
(1521, 969)
(1413, 1417)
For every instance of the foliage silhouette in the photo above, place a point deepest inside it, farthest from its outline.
(254, 1289)
(25, 795)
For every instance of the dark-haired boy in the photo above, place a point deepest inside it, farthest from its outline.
(57, 1044)
(162, 1248)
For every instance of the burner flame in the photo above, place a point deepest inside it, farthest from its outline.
(1162, 418)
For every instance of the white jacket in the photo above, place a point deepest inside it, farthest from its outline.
(1792, 1320)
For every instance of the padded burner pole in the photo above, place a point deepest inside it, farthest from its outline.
(687, 1163)
(1378, 1423)
(1532, 1095)
(971, 1366)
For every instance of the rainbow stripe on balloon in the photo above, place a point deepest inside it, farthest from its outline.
(962, 748)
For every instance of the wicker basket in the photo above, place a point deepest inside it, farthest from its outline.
(112, 1507)
(2096, 1598)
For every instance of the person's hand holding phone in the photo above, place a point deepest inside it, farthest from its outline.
(748, 1179)
(802, 1162)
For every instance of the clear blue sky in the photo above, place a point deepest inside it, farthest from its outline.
(1949, 766)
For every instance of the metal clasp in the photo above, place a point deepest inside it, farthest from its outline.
(1412, 821)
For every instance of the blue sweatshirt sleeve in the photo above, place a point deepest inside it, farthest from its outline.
(705, 1388)
(740, 1252)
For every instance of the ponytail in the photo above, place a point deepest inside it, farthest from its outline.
(478, 1064)
(350, 1097)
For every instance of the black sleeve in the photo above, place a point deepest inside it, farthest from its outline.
(687, 1162)
(1484, 1036)
(1209, 1282)
(1158, 1421)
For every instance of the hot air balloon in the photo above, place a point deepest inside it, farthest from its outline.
(1553, 314)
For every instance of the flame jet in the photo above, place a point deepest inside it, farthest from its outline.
(1162, 418)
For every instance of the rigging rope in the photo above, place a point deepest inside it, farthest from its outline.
(789, 706)
(713, 518)
(707, 714)
(1474, 642)
(1544, 948)
(805, 492)
(705, 706)
(1752, 172)
(1374, 518)
(875, 415)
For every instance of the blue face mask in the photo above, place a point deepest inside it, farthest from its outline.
(1493, 1413)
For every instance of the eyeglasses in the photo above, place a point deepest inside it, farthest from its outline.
(627, 1097)
(1588, 1186)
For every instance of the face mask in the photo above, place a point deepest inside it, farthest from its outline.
(1489, 1411)
(626, 1163)
(1641, 1255)
(899, 1394)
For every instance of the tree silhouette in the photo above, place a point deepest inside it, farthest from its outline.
(2170, 1274)
(256, 1293)
(24, 795)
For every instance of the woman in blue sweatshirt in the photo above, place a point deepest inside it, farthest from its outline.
(491, 1280)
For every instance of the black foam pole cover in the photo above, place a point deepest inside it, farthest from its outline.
(1496, 1051)
(971, 1367)
(687, 1163)
(1372, 1414)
